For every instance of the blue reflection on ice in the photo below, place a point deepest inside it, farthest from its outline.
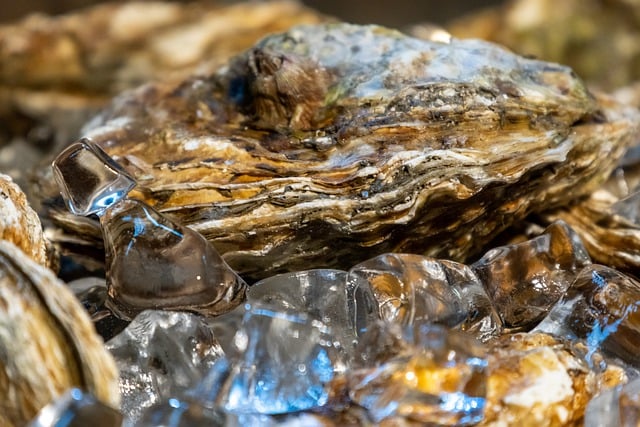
(471, 408)
(285, 367)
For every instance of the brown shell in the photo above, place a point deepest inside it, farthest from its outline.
(47, 341)
(540, 381)
(330, 144)
(57, 71)
(20, 224)
(588, 35)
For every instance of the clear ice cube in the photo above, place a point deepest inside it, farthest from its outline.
(322, 295)
(155, 263)
(412, 289)
(161, 354)
(616, 407)
(285, 362)
(525, 280)
(602, 307)
(429, 374)
(90, 181)
(76, 408)
(481, 318)
(224, 328)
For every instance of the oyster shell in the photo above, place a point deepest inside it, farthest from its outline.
(538, 380)
(107, 48)
(329, 144)
(58, 71)
(611, 237)
(19, 223)
(587, 35)
(47, 341)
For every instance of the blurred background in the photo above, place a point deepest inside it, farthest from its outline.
(391, 13)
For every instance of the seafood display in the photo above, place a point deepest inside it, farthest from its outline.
(268, 217)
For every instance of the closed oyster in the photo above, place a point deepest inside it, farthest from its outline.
(19, 223)
(47, 341)
(329, 144)
(113, 46)
(58, 71)
(588, 35)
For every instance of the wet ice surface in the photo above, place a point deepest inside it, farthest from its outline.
(324, 295)
(412, 289)
(602, 307)
(90, 181)
(524, 280)
(153, 262)
(284, 362)
(161, 354)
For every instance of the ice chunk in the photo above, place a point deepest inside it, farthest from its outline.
(161, 354)
(322, 295)
(412, 289)
(602, 307)
(153, 263)
(525, 280)
(90, 181)
(427, 373)
(285, 362)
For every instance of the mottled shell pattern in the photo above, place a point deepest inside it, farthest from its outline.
(329, 144)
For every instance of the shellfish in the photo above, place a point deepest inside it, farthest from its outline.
(19, 223)
(47, 341)
(586, 35)
(58, 71)
(329, 144)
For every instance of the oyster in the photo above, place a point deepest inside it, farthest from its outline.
(588, 35)
(56, 72)
(330, 144)
(113, 46)
(608, 220)
(47, 341)
(19, 223)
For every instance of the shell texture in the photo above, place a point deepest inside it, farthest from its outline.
(333, 143)
(587, 35)
(19, 223)
(58, 71)
(47, 341)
